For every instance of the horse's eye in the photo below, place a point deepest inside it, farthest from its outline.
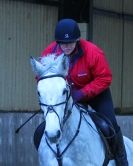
(64, 91)
(38, 93)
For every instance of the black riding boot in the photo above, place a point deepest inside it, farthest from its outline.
(120, 152)
(115, 140)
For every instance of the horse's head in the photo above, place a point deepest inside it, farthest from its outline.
(53, 92)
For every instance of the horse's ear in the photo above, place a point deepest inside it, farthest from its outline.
(37, 67)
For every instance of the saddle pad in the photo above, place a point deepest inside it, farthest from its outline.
(38, 134)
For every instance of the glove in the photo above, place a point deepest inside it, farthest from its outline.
(77, 95)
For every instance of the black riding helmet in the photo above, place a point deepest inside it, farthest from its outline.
(67, 31)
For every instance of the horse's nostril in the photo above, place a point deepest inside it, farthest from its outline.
(58, 134)
(46, 133)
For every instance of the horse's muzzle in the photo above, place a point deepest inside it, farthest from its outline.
(53, 138)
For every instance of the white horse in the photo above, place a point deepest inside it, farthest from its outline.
(70, 137)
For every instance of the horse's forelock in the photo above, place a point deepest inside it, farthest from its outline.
(48, 59)
(53, 63)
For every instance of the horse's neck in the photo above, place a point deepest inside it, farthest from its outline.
(87, 140)
(72, 122)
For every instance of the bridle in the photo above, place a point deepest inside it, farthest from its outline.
(50, 108)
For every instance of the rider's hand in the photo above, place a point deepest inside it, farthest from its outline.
(77, 95)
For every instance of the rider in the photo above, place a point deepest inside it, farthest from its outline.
(91, 76)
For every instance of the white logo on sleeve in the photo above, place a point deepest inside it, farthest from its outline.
(82, 74)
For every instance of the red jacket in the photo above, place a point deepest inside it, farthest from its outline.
(90, 71)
